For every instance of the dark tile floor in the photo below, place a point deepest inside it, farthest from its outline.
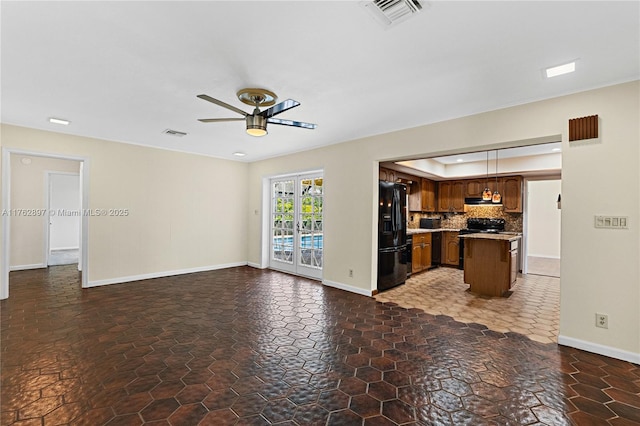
(245, 346)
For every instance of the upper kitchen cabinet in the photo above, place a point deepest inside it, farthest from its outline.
(428, 195)
(387, 175)
(473, 187)
(415, 196)
(511, 188)
(422, 195)
(451, 196)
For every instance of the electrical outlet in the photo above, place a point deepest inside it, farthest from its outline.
(602, 320)
(351, 273)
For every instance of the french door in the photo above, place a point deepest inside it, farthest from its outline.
(296, 224)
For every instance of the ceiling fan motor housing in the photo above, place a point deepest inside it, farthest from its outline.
(256, 125)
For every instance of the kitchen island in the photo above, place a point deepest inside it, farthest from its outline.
(490, 262)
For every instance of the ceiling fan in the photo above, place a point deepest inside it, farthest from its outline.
(257, 121)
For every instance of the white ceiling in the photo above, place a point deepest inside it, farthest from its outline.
(126, 71)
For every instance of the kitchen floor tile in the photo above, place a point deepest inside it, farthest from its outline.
(532, 309)
(243, 346)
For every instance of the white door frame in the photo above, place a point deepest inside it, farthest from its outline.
(266, 217)
(47, 223)
(6, 219)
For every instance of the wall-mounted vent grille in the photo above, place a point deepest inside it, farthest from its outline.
(583, 128)
(174, 133)
(391, 12)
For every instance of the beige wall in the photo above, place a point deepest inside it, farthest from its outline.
(186, 212)
(28, 192)
(600, 270)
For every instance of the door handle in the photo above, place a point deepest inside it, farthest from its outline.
(298, 226)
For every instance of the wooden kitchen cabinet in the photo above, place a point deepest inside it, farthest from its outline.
(428, 195)
(473, 187)
(487, 266)
(421, 252)
(450, 248)
(416, 257)
(387, 175)
(444, 188)
(511, 189)
(415, 196)
(451, 196)
(422, 195)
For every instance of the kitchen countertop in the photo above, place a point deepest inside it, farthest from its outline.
(486, 236)
(413, 231)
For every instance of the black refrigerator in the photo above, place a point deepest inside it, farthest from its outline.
(392, 235)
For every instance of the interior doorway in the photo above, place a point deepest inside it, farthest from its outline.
(28, 217)
(62, 242)
(543, 227)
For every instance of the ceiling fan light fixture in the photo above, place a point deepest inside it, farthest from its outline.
(256, 125)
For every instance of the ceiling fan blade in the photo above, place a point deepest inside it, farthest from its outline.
(217, 120)
(292, 123)
(281, 107)
(223, 104)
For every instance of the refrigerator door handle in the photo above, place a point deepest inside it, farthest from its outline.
(395, 210)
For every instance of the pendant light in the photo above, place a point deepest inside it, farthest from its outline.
(496, 198)
(486, 194)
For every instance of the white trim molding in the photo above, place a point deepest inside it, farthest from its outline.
(256, 265)
(599, 349)
(348, 288)
(163, 274)
(26, 267)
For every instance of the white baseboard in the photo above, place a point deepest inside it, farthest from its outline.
(255, 265)
(65, 248)
(26, 267)
(599, 349)
(544, 257)
(119, 280)
(346, 287)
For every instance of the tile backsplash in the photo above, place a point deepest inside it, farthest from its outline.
(513, 221)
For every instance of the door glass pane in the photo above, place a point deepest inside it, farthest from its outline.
(282, 208)
(310, 222)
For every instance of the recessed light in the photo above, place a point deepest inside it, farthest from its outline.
(459, 160)
(239, 154)
(560, 69)
(556, 150)
(59, 121)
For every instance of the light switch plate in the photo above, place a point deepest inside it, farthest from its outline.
(611, 222)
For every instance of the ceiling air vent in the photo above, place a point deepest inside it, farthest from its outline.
(174, 133)
(391, 12)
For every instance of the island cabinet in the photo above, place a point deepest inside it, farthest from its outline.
(450, 248)
(451, 196)
(489, 263)
(421, 252)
